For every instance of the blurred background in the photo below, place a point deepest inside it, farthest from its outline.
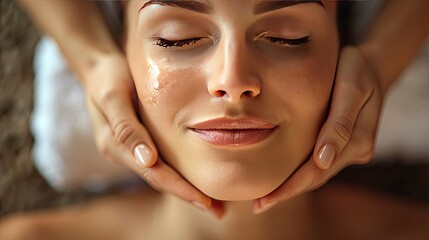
(21, 186)
(400, 167)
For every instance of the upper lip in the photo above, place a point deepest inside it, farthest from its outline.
(233, 124)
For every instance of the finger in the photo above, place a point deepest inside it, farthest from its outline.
(309, 177)
(352, 90)
(105, 142)
(217, 209)
(293, 186)
(127, 129)
(362, 144)
(160, 176)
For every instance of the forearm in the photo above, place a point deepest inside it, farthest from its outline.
(395, 37)
(77, 26)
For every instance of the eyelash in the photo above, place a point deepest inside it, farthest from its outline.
(185, 42)
(291, 42)
(176, 43)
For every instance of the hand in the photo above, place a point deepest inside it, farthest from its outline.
(348, 135)
(122, 138)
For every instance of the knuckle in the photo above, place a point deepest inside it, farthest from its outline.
(105, 94)
(123, 131)
(366, 155)
(107, 154)
(363, 160)
(343, 128)
(365, 147)
(361, 87)
(103, 145)
(104, 151)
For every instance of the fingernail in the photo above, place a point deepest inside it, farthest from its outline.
(143, 154)
(264, 208)
(326, 156)
(199, 205)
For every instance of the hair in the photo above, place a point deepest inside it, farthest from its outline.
(345, 21)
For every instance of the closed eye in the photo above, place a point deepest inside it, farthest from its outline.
(192, 41)
(176, 43)
(290, 42)
(283, 42)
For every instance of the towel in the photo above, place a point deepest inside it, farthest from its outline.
(64, 151)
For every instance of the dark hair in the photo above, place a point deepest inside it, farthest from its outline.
(345, 18)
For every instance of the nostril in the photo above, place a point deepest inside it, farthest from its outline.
(219, 93)
(250, 93)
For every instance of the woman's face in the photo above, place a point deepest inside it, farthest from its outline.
(233, 92)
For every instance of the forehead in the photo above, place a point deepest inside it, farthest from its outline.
(207, 6)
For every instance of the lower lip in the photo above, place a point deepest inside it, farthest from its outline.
(233, 138)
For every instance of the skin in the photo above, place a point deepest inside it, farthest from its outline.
(289, 86)
(105, 75)
(299, 218)
(334, 212)
(364, 76)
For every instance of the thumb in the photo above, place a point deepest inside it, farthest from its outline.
(129, 131)
(352, 89)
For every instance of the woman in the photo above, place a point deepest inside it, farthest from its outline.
(234, 103)
(262, 75)
(346, 138)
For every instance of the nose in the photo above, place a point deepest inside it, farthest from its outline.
(234, 74)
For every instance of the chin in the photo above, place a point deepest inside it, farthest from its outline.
(235, 174)
(233, 181)
(237, 192)
(232, 191)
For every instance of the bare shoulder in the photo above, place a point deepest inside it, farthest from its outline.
(371, 214)
(110, 217)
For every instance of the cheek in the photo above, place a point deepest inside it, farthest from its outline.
(304, 87)
(166, 89)
(162, 88)
(312, 79)
(163, 93)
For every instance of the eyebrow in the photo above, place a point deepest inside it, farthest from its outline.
(207, 8)
(267, 6)
(196, 6)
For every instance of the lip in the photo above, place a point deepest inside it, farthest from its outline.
(233, 132)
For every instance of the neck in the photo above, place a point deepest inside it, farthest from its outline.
(291, 219)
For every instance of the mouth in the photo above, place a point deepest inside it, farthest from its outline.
(233, 132)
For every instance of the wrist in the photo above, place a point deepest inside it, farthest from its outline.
(107, 71)
(90, 58)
